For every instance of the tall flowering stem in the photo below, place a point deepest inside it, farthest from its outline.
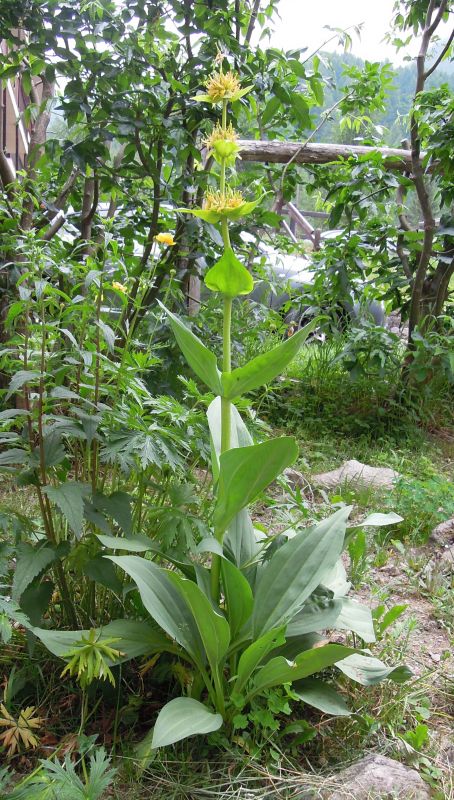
(228, 276)
(226, 406)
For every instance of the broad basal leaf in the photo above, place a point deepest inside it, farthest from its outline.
(212, 626)
(280, 670)
(253, 656)
(181, 718)
(164, 602)
(377, 520)
(135, 639)
(295, 570)
(368, 670)
(357, 618)
(238, 596)
(317, 614)
(321, 695)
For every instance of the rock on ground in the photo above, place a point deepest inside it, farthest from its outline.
(443, 536)
(444, 533)
(354, 472)
(295, 478)
(377, 777)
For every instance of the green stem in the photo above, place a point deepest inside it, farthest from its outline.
(226, 406)
(226, 367)
(220, 703)
(97, 381)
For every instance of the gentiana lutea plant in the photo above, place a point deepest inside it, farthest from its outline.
(251, 620)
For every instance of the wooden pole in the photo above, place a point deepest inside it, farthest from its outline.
(277, 152)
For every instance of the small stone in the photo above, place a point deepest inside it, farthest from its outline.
(356, 473)
(378, 777)
(436, 657)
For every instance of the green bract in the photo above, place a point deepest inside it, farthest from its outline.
(214, 217)
(225, 150)
(229, 276)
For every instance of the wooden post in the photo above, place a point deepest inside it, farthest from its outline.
(277, 152)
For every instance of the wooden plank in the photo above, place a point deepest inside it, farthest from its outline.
(277, 152)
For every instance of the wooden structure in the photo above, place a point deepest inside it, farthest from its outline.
(14, 138)
(278, 152)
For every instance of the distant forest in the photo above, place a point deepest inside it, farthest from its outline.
(395, 118)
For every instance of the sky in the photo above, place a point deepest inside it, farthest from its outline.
(302, 22)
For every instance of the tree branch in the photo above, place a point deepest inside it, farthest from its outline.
(54, 226)
(438, 61)
(37, 142)
(404, 258)
(252, 19)
(66, 188)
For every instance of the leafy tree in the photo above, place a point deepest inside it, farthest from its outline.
(115, 136)
(398, 229)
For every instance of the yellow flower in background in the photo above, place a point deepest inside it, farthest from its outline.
(119, 287)
(165, 238)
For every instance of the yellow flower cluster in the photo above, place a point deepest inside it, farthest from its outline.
(222, 86)
(220, 201)
(220, 134)
(222, 144)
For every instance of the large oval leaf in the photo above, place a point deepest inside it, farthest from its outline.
(238, 596)
(254, 655)
(181, 718)
(321, 695)
(368, 670)
(356, 617)
(246, 471)
(279, 670)
(318, 614)
(295, 570)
